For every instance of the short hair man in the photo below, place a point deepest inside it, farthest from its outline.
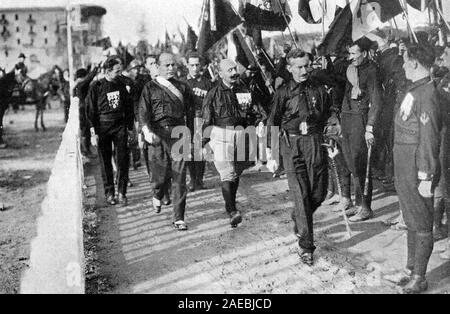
(361, 109)
(301, 108)
(110, 116)
(200, 87)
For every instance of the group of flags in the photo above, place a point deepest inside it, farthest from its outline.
(352, 20)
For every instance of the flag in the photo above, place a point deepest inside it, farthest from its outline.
(123, 53)
(105, 43)
(191, 39)
(420, 5)
(168, 41)
(356, 20)
(266, 15)
(245, 55)
(218, 19)
(304, 10)
(183, 39)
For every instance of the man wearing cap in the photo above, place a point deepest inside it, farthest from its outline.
(417, 139)
(227, 110)
(200, 86)
(110, 117)
(164, 106)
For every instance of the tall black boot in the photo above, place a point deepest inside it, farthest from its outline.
(411, 240)
(227, 192)
(424, 249)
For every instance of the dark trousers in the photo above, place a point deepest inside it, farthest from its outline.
(355, 152)
(417, 211)
(166, 172)
(305, 163)
(196, 171)
(119, 137)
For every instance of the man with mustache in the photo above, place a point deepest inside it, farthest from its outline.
(164, 105)
(302, 108)
(361, 109)
(228, 109)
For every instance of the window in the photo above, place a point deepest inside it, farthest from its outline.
(31, 28)
(18, 29)
(32, 42)
(31, 16)
(17, 17)
(46, 41)
(18, 41)
(3, 16)
(45, 28)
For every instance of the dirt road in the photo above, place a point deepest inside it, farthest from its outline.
(137, 251)
(24, 171)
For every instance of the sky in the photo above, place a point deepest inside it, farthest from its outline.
(125, 16)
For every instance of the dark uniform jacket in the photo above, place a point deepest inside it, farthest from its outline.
(295, 103)
(109, 103)
(221, 108)
(418, 122)
(81, 91)
(159, 108)
(200, 88)
(393, 80)
(370, 101)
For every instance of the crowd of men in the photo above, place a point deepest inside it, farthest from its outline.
(384, 106)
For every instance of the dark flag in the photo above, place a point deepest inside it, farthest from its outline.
(123, 53)
(304, 10)
(105, 43)
(266, 15)
(355, 21)
(191, 41)
(168, 42)
(420, 5)
(218, 19)
(245, 55)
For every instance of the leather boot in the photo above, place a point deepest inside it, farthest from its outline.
(424, 249)
(439, 233)
(227, 192)
(411, 243)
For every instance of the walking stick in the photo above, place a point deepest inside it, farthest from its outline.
(366, 183)
(332, 153)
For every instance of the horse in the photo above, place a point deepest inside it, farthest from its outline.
(7, 82)
(36, 92)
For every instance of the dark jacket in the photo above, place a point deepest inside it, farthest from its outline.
(370, 101)
(295, 103)
(393, 80)
(422, 126)
(7, 82)
(221, 108)
(109, 103)
(159, 108)
(200, 88)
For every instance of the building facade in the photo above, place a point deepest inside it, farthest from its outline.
(41, 34)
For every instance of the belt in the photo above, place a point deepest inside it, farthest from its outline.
(112, 116)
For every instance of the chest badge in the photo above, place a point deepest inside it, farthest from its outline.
(424, 119)
(114, 99)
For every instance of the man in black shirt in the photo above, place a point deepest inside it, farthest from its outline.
(110, 116)
(200, 86)
(301, 108)
(164, 106)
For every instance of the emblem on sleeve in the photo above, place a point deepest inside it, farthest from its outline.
(406, 107)
(424, 118)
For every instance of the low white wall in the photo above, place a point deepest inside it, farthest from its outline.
(57, 254)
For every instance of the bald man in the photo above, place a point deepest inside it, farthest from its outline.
(227, 110)
(164, 105)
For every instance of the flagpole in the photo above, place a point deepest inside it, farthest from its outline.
(405, 14)
(271, 90)
(442, 16)
(323, 32)
(287, 23)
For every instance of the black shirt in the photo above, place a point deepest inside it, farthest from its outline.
(109, 102)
